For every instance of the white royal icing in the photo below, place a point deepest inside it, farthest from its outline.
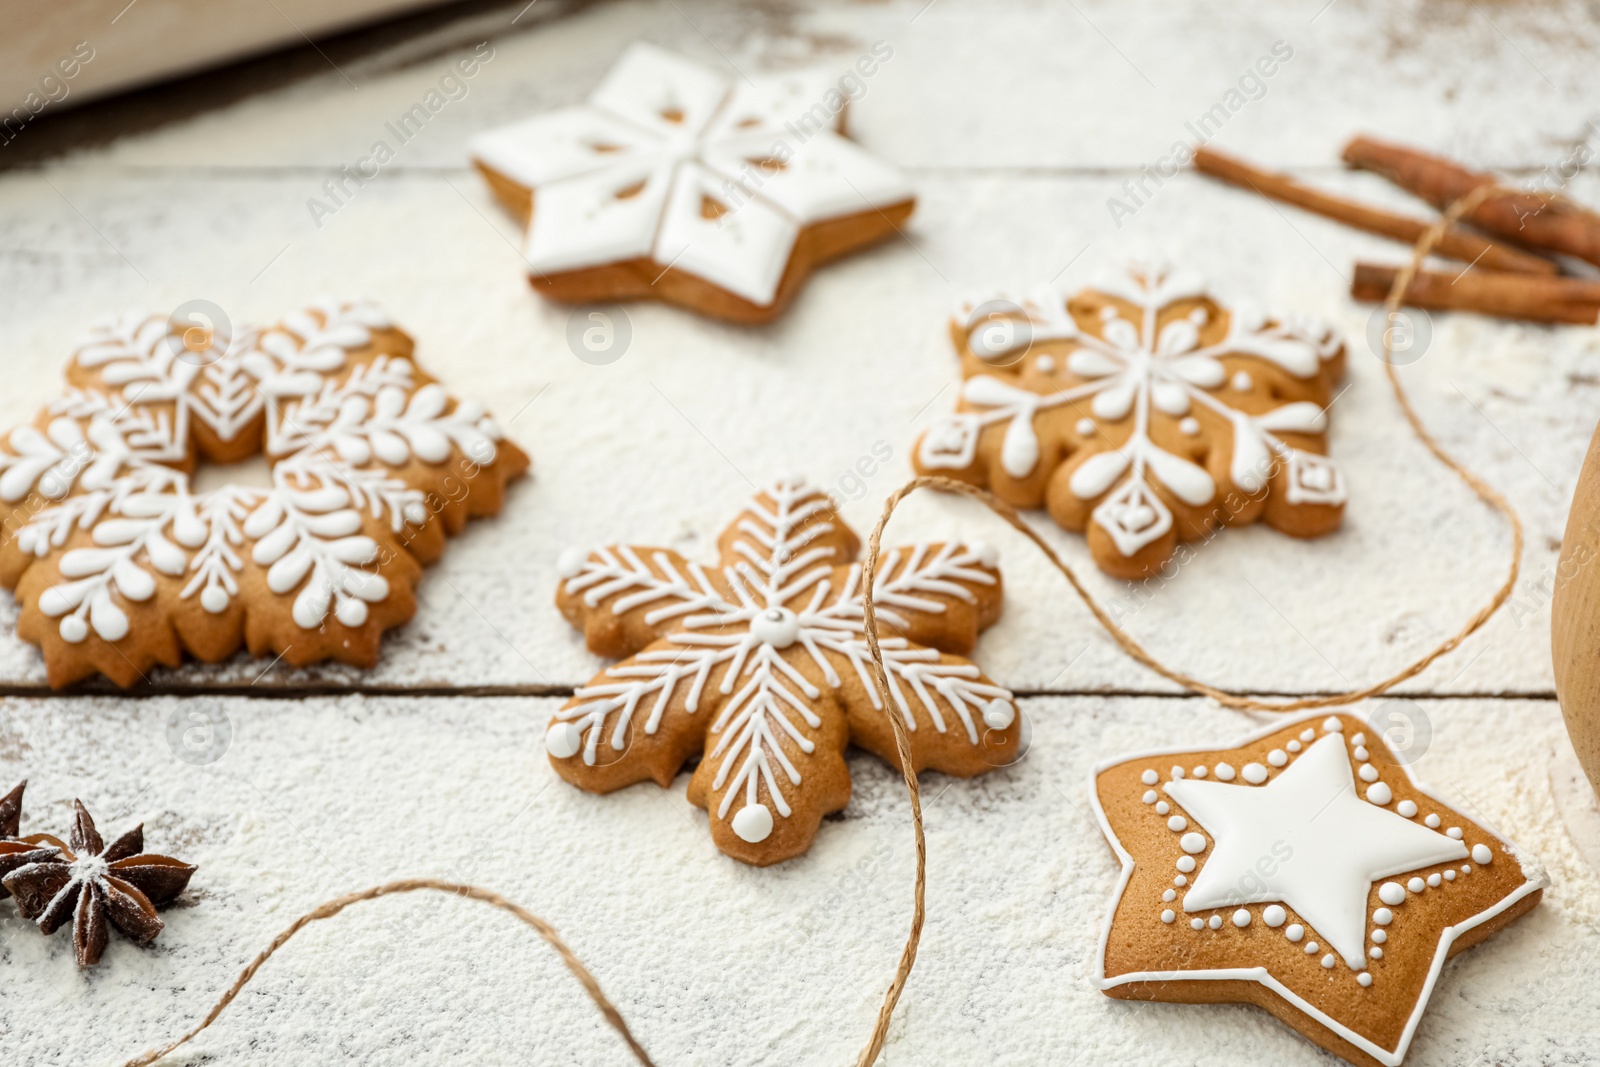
(107, 459)
(1155, 376)
(779, 568)
(1340, 847)
(671, 161)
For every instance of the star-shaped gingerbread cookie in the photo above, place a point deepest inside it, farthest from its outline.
(760, 666)
(1305, 871)
(675, 182)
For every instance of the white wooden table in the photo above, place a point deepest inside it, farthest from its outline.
(1017, 121)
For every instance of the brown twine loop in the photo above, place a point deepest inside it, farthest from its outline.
(908, 955)
(412, 885)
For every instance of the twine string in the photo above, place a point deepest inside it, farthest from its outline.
(1237, 701)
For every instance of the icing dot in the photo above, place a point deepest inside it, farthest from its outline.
(1192, 842)
(1392, 893)
(1180, 881)
(778, 627)
(1481, 854)
(1359, 739)
(1177, 824)
(1449, 876)
(1215, 922)
(214, 599)
(1186, 864)
(1333, 725)
(1150, 778)
(570, 563)
(1190, 426)
(1311, 948)
(1224, 772)
(1433, 880)
(1380, 794)
(1416, 885)
(1241, 918)
(1375, 952)
(1294, 746)
(1200, 771)
(1167, 916)
(1046, 364)
(74, 629)
(1408, 808)
(1307, 734)
(987, 554)
(1085, 428)
(1455, 832)
(1170, 895)
(1277, 757)
(999, 714)
(563, 740)
(753, 823)
(1274, 916)
(1149, 796)
(1364, 978)
(1241, 382)
(1361, 753)
(1254, 773)
(1295, 932)
(1177, 774)
(416, 514)
(1368, 772)
(1328, 961)
(1466, 868)
(1432, 822)
(1198, 316)
(1197, 924)
(1383, 916)
(1380, 936)
(1163, 807)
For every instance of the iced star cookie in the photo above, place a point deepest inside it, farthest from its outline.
(1304, 871)
(675, 182)
(759, 666)
(120, 565)
(1145, 413)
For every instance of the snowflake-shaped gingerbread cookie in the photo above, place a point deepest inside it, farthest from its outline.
(1302, 870)
(1144, 412)
(120, 565)
(759, 665)
(678, 183)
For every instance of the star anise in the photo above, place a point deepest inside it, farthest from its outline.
(93, 885)
(17, 851)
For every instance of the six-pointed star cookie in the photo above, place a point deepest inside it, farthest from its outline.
(761, 663)
(678, 183)
(1303, 871)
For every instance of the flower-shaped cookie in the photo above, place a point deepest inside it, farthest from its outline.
(120, 565)
(761, 664)
(1302, 870)
(681, 184)
(1144, 412)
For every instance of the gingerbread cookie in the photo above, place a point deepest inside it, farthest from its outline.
(1303, 870)
(1144, 412)
(120, 566)
(678, 183)
(759, 665)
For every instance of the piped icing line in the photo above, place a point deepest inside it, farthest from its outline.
(1534, 876)
(685, 166)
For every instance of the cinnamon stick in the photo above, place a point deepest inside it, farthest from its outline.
(1457, 243)
(1535, 220)
(1512, 296)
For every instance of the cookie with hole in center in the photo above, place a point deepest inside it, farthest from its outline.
(718, 193)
